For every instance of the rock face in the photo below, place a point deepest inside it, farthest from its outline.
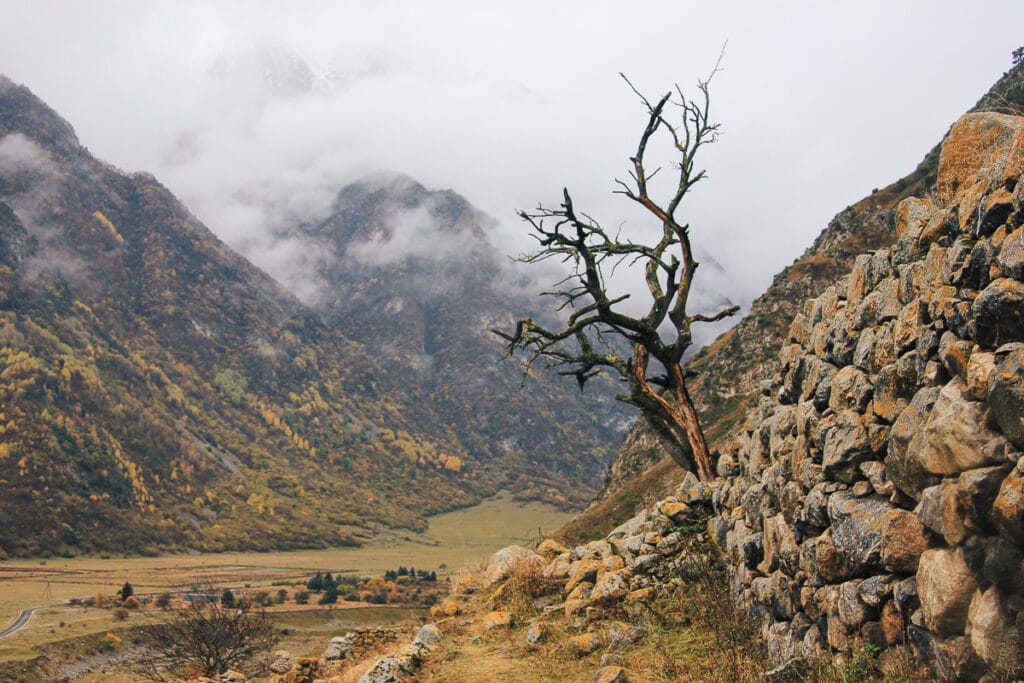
(882, 476)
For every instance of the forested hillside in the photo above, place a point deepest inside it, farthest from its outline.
(159, 392)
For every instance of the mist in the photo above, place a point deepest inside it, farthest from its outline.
(256, 114)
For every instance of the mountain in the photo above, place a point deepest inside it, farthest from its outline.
(159, 392)
(411, 273)
(730, 371)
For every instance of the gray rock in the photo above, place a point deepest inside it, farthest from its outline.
(875, 590)
(390, 669)
(846, 446)
(894, 387)
(904, 466)
(976, 490)
(998, 313)
(428, 637)
(851, 389)
(929, 509)
(536, 634)
(339, 647)
(283, 661)
(1011, 255)
(857, 526)
(621, 634)
(1006, 394)
(957, 258)
(905, 594)
(852, 611)
(954, 353)
(1003, 565)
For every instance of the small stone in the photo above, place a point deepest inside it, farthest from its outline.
(428, 637)
(506, 560)
(641, 595)
(906, 441)
(549, 549)
(283, 660)
(536, 634)
(583, 571)
(862, 488)
(621, 633)
(497, 619)
(980, 368)
(875, 589)
(610, 587)
(584, 644)
(956, 437)
(610, 674)
(337, 648)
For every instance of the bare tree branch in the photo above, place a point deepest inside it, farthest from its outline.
(661, 336)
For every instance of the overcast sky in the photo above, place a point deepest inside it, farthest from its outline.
(256, 113)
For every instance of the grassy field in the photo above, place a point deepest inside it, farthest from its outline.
(455, 539)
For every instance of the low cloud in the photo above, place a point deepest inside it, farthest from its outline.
(20, 156)
(256, 114)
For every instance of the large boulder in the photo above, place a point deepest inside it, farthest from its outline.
(998, 313)
(956, 436)
(857, 528)
(903, 540)
(945, 586)
(508, 560)
(903, 466)
(979, 154)
(1006, 393)
(994, 633)
(1008, 507)
(1011, 255)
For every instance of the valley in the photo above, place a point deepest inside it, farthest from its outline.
(462, 538)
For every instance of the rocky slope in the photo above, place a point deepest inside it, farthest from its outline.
(159, 392)
(731, 369)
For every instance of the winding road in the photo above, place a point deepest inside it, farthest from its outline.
(19, 622)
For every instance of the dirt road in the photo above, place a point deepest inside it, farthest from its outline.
(19, 622)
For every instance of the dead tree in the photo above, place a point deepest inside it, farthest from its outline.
(653, 368)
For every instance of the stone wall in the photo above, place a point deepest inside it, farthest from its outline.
(876, 496)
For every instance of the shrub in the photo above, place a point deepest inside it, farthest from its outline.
(120, 614)
(206, 638)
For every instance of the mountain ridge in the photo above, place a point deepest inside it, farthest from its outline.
(160, 393)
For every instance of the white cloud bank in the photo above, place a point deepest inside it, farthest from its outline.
(255, 113)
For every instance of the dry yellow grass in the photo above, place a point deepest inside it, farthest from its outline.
(456, 539)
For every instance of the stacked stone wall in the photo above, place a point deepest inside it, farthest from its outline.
(876, 496)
